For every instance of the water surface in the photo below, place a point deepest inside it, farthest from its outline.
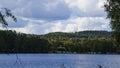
(58, 61)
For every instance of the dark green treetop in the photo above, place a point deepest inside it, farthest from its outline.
(112, 7)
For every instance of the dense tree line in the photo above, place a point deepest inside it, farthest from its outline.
(99, 46)
(12, 42)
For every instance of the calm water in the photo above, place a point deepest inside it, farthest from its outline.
(58, 61)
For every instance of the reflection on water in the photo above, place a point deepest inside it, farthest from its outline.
(59, 61)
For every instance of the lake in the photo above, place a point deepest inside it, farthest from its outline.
(58, 61)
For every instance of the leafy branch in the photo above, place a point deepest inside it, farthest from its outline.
(5, 13)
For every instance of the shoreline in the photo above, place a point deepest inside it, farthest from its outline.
(59, 53)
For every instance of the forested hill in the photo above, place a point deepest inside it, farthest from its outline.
(58, 42)
(81, 34)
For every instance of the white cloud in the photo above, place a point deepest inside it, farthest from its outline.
(27, 29)
(56, 27)
(44, 9)
(71, 28)
(83, 5)
(44, 16)
(90, 23)
(69, 25)
(40, 9)
(87, 8)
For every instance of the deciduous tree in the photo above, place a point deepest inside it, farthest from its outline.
(112, 7)
(5, 13)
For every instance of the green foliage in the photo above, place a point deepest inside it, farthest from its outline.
(112, 7)
(93, 42)
(77, 35)
(12, 42)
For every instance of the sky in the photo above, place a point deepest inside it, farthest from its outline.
(44, 16)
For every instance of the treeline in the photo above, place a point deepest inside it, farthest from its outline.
(12, 42)
(91, 42)
(96, 46)
(81, 34)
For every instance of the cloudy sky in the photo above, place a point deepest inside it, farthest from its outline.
(44, 16)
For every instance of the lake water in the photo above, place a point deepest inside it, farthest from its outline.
(58, 61)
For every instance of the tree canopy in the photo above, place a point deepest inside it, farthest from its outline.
(112, 7)
(5, 13)
(13, 42)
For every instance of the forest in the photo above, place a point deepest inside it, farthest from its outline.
(92, 42)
